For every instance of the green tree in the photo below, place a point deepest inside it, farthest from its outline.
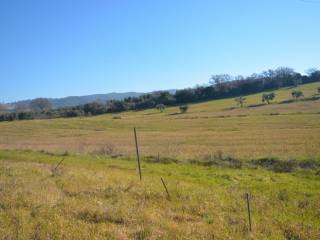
(160, 107)
(268, 97)
(297, 94)
(184, 108)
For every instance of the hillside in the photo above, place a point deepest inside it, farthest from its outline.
(289, 130)
(80, 100)
(77, 178)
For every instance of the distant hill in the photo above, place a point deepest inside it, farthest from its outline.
(80, 100)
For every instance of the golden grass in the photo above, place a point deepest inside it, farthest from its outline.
(277, 130)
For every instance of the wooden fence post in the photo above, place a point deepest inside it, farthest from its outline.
(137, 151)
(55, 169)
(249, 211)
(165, 187)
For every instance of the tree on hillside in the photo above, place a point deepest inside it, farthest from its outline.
(297, 94)
(313, 74)
(220, 78)
(318, 90)
(184, 108)
(268, 97)
(218, 81)
(40, 104)
(112, 106)
(240, 100)
(160, 107)
(185, 95)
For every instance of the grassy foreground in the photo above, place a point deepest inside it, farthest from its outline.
(271, 151)
(95, 197)
(286, 131)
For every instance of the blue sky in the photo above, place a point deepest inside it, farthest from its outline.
(63, 47)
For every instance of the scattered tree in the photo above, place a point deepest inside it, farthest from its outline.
(297, 94)
(40, 104)
(221, 86)
(161, 107)
(184, 108)
(240, 100)
(318, 90)
(313, 75)
(268, 97)
(218, 81)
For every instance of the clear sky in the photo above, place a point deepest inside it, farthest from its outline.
(56, 48)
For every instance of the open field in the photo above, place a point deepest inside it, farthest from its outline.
(214, 154)
(94, 197)
(286, 131)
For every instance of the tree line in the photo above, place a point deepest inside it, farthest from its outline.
(220, 86)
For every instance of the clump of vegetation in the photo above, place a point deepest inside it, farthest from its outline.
(268, 97)
(283, 195)
(160, 107)
(220, 159)
(184, 108)
(276, 165)
(158, 159)
(100, 217)
(296, 94)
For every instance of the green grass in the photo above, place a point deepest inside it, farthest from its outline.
(93, 197)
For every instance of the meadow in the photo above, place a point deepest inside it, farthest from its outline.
(90, 197)
(289, 130)
(209, 158)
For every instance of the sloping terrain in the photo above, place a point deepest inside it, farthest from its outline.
(287, 130)
(209, 158)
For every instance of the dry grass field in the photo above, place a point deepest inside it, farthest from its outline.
(209, 158)
(284, 131)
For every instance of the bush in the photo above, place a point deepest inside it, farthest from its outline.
(160, 107)
(184, 108)
(276, 165)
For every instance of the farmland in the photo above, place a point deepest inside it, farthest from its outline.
(209, 157)
(288, 130)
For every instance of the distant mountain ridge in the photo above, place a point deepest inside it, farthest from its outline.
(80, 100)
(72, 101)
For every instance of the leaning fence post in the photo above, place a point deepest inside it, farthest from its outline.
(55, 169)
(137, 151)
(165, 187)
(249, 211)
